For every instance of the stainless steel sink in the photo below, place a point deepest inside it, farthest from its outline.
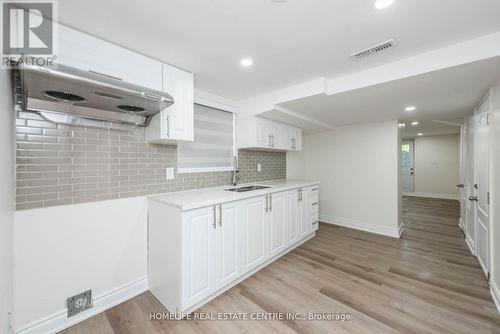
(246, 188)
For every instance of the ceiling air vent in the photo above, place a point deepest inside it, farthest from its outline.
(374, 49)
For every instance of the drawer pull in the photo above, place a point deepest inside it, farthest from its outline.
(316, 203)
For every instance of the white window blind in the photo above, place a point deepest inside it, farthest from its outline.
(213, 146)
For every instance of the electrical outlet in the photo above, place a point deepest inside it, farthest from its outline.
(259, 168)
(169, 173)
(79, 303)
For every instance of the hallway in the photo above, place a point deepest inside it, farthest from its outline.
(426, 282)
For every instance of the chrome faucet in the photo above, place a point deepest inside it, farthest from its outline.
(236, 170)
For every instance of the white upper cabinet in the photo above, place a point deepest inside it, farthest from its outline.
(177, 121)
(89, 53)
(256, 132)
(94, 55)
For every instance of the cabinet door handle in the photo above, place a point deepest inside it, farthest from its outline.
(271, 203)
(215, 217)
(267, 203)
(168, 126)
(220, 215)
(269, 141)
(105, 75)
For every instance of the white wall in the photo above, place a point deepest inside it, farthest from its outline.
(6, 196)
(495, 194)
(64, 250)
(358, 170)
(437, 165)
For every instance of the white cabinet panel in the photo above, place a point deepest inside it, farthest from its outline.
(179, 84)
(256, 132)
(175, 123)
(227, 244)
(253, 232)
(89, 53)
(277, 223)
(263, 137)
(198, 254)
(302, 213)
(293, 216)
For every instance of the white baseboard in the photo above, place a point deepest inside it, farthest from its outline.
(391, 232)
(495, 294)
(433, 195)
(59, 321)
(461, 224)
(470, 244)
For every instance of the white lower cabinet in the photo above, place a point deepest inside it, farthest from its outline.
(277, 223)
(253, 232)
(227, 244)
(196, 254)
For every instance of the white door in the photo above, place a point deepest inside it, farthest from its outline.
(227, 244)
(463, 176)
(304, 223)
(277, 223)
(470, 207)
(179, 117)
(253, 232)
(198, 250)
(262, 133)
(407, 166)
(482, 189)
(293, 216)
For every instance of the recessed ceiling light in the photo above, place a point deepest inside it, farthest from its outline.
(414, 123)
(381, 4)
(246, 62)
(410, 108)
(420, 134)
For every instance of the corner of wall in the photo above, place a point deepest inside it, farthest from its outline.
(7, 175)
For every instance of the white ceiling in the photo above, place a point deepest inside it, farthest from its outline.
(444, 95)
(290, 42)
(430, 128)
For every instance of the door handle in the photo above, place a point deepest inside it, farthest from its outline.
(214, 224)
(473, 198)
(267, 203)
(460, 185)
(220, 215)
(270, 203)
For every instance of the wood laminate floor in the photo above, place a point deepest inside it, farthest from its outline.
(426, 282)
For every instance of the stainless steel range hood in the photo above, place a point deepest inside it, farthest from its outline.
(70, 91)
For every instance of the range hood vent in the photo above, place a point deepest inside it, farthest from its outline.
(69, 91)
(374, 49)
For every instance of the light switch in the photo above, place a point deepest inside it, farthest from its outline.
(259, 168)
(169, 173)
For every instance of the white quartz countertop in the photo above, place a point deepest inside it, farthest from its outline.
(199, 198)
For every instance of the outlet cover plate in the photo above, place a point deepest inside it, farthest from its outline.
(259, 168)
(79, 303)
(169, 173)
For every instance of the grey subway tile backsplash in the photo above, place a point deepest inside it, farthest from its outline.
(63, 164)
